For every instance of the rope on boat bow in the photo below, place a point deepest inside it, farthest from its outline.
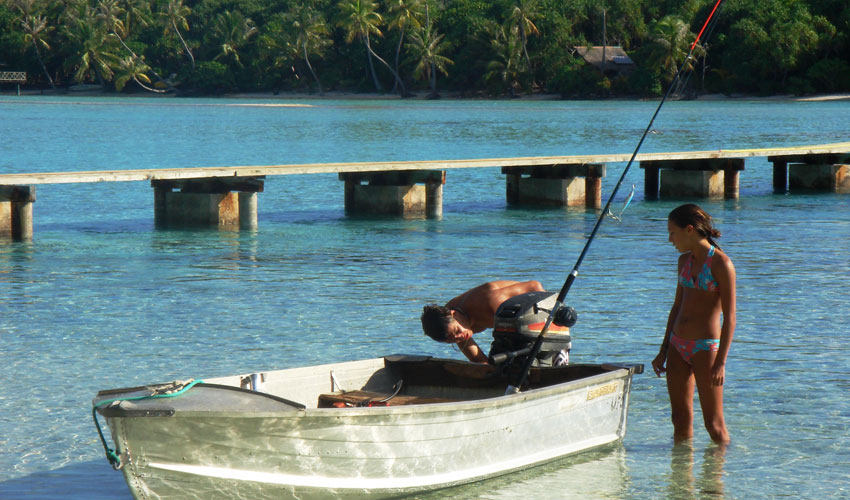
(606, 210)
(171, 390)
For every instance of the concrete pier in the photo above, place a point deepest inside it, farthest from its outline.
(227, 196)
(555, 185)
(16, 212)
(406, 193)
(692, 178)
(228, 203)
(824, 178)
(811, 172)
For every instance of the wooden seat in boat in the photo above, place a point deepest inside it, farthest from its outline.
(364, 398)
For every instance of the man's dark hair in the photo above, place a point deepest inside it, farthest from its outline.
(435, 321)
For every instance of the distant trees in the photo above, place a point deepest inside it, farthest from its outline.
(505, 47)
(427, 50)
(173, 17)
(35, 31)
(311, 35)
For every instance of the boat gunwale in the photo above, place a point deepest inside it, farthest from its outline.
(502, 401)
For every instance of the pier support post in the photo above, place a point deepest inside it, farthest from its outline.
(780, 176)
(732, 182)
(223, 202)
(650, 179)
(828, 172)
(697, 178)
(16, 212)
(555, 185)
(826, 178)
(408, 193)
(248, 210)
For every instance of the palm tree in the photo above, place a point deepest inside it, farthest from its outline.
(506, 44)
(136, 12)
(671, 39)
(131, 68)
(311, 35)
(233, 30)
(360, 19)
(109, 13)
(35, 26)
(427, 46)
(277, 44)
(174, 16)
(522, 15)
(95, 55)
(404, 15)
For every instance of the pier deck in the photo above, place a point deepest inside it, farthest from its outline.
(384, 166)
(227, 196)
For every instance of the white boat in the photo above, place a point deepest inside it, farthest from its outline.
(376, 428)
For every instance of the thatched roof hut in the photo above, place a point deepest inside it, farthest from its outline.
(615, 62)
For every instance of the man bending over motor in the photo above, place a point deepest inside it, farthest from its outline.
(471, 312)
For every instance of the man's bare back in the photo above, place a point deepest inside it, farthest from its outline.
(474, 311)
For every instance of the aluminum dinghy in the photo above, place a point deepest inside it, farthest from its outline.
(374, 428)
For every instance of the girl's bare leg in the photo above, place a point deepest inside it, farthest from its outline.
(710, 397)
(680, 387)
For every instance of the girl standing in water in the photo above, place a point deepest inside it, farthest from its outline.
(700, 325)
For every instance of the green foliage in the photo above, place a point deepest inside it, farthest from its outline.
(829, 75)
(211, 77)
(491, 46)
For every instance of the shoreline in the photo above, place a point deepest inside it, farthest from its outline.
(423, 96)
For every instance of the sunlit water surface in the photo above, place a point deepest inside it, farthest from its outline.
(102, 299)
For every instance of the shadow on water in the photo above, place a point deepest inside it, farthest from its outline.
(93, 480)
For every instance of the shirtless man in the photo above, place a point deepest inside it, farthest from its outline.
(471, 312)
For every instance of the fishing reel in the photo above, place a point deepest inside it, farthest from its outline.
(519, 321)
(565, 316)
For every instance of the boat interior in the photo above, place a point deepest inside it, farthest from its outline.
(389, 381)
(407, 380)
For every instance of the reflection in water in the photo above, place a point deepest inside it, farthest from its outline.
(682, 483)
(600, 473)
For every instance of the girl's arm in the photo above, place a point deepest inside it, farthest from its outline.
(725, 277)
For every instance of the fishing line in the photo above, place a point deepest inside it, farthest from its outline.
(619, 218)
(559, 302)
(708, 32)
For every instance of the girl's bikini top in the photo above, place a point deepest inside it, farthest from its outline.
(704, 280)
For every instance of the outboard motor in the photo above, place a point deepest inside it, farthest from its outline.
(519, 321)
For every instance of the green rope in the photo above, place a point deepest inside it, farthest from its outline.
(113, 457)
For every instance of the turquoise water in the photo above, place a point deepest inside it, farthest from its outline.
(101, 299)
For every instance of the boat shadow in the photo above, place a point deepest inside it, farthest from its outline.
(93, 480)
(600, 473)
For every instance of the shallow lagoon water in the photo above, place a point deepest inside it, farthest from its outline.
(102, 299)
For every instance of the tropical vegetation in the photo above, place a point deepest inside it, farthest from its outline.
(472, 47)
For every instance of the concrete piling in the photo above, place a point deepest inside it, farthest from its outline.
(16, 214)
(228, 203)
(555, 185)
(406, 193)
(710, 178)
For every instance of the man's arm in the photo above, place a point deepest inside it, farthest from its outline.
(471, 350)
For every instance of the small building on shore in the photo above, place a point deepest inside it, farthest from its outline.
(611, 60)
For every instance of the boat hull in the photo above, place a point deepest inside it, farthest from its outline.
(378, 451)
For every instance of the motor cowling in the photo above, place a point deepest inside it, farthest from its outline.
(519, 321)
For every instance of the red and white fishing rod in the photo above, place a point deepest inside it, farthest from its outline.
(559, 303)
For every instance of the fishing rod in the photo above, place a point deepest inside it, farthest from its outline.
(559, 302)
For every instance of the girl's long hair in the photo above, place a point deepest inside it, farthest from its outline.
(690, 214)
